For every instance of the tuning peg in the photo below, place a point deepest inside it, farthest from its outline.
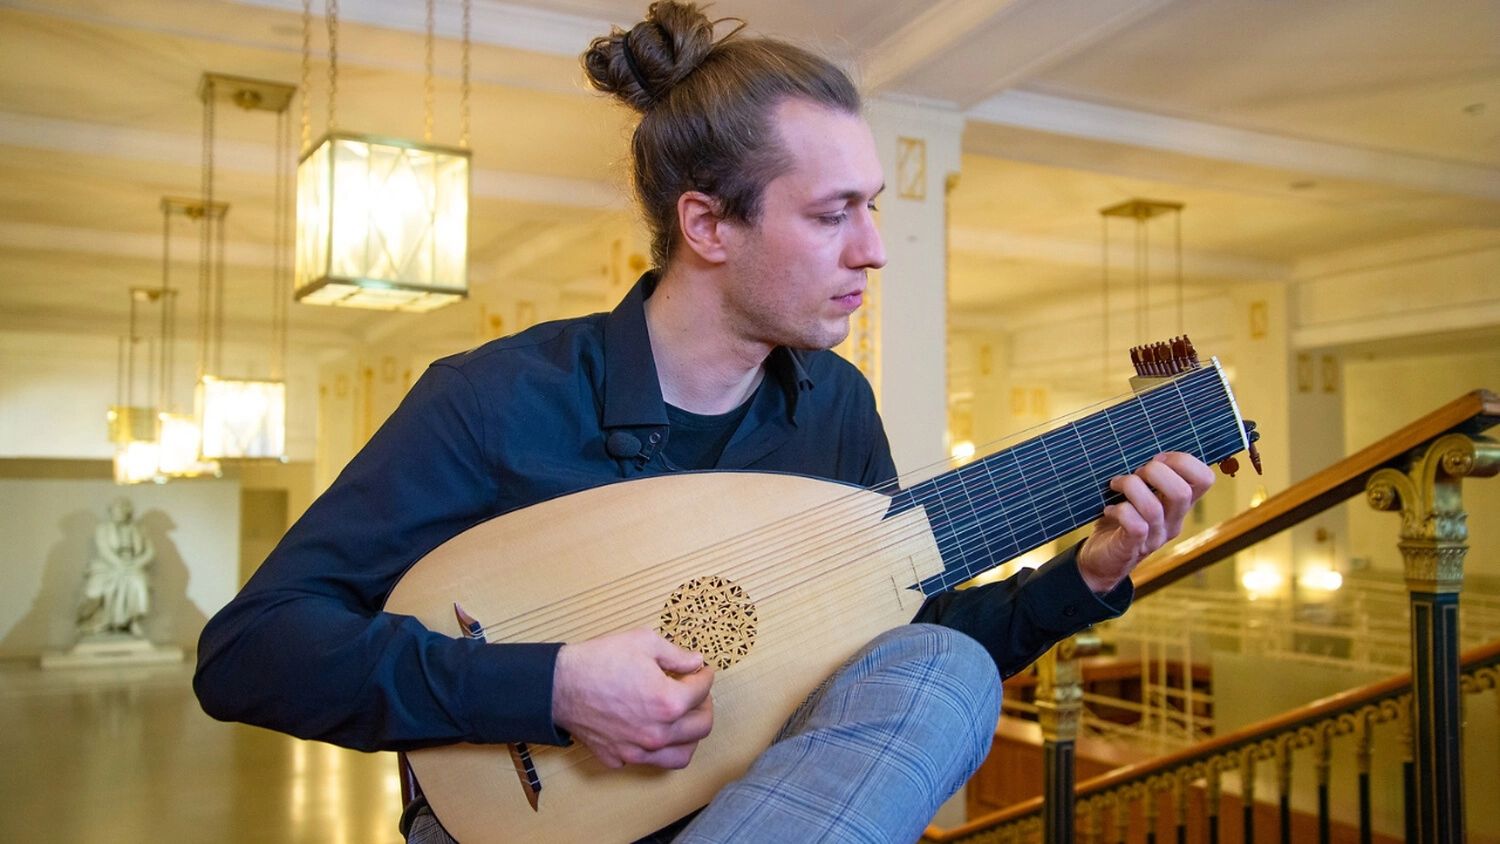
(1252, 437)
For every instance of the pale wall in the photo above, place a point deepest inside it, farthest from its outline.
(1382, 395)
(55, 389)
(48, 525)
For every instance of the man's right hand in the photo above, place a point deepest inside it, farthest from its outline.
(633, 698)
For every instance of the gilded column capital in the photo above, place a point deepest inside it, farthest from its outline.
(1434, 530)
(1059, 687)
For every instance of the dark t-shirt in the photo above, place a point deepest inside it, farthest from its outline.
(697, 440)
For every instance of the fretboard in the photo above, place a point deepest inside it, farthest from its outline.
(1010, 502)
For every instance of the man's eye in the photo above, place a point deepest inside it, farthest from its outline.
(833, 219)
(872, 207)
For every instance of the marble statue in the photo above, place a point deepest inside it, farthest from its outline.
(116, 596)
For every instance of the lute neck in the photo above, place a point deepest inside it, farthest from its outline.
(1017, 499)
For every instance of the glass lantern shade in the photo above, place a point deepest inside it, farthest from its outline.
(137, 462)
(382, 224)
(181, 441)
(242, 419)
(131, 423)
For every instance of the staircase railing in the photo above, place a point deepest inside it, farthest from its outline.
(1416, 470)
(1186, 786)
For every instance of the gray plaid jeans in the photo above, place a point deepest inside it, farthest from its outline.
(868, 757)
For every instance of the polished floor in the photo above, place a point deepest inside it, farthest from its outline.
(125, 755)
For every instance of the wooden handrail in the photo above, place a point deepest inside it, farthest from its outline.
(1472, 413)
(1314, 712)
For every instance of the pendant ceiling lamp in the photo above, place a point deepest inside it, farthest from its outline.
(381, 222)
(243, 415)
(155, 440)
(1139, 216)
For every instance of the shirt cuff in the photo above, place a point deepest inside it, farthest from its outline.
(508, 693)
(1068, 599)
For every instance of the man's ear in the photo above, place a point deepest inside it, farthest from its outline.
(701, 226)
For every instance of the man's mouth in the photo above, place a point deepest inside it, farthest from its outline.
(851, 300)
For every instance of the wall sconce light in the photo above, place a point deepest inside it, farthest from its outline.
(1261, 581)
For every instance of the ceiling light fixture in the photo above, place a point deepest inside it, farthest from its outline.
(1140, 213)
(381, 222)
(243, 416)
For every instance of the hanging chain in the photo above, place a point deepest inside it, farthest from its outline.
(306, 75)
(205, 237)
(281, 274)
(218, 229)
(463, 112)
(168, 316)
(333, 63)
(166, 276)
(427, 83)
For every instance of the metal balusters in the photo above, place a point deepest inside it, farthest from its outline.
(1284, 786)
(1364, 741)
(1122, 815)
(1247, 792)
(1323, 761)
(1212, 796)
(1091, 811)
(1180, 785)
(1150, 807)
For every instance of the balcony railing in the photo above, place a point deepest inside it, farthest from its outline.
(1416, 471)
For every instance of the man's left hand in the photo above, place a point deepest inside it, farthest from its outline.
(1158, 497)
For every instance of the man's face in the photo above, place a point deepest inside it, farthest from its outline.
(798, 272)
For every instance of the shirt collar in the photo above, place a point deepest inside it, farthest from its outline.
(632, 392)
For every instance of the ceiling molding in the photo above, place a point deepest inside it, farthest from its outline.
(132, 144)
(1075, 118)
(931, 33)
(499, 24)
(1397, 253)
(1444, 320)
(80, 326)
(994, 243)
(35, 237)
(1016, 41)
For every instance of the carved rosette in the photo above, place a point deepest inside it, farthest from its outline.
(711, 616)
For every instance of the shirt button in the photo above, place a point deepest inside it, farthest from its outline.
(655, 437)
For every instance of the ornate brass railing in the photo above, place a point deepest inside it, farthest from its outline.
(1416, 470)
(1131, 802)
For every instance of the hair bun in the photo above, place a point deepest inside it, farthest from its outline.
(642, 65)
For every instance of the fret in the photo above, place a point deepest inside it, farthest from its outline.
(1003, 500)
(1188, 415)
(942, 488)
(1136, 437)
(1106, 463)
(1070, 465)
(1007, 466)
(1167, 420)
(1042, 487)
(974, 534)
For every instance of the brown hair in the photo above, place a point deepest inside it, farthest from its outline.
(705, 109)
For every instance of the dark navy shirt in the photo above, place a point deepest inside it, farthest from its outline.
(306, 649)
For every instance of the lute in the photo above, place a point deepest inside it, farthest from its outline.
(776, 579)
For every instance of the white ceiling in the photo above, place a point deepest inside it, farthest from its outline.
(1289, 130)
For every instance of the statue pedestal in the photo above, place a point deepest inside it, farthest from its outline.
(111, 649)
